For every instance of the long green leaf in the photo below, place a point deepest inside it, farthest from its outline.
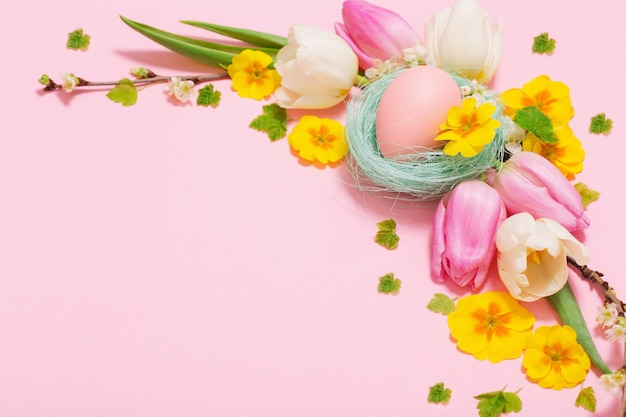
(210, 53)
(253, 37)
(565, 304)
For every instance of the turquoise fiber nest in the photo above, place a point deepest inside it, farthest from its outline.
(423, 175)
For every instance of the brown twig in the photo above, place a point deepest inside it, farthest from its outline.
(154, 79)
(610, 296)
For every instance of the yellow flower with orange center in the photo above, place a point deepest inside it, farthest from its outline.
(251, 75)
(319, 139)
(567, 154)
(491, 325)
(468, 128)
(554, 359)
(551, 97)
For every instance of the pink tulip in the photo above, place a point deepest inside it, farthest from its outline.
(528, 182)
(464, 231)
(374, 32)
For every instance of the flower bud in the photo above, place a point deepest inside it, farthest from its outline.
(317, 67)
(529, 183)
(464, 233)
(532, 256)
(374, 32)
(461, 39)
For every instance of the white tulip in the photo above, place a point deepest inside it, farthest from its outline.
(461, 39)
(317, 67)
(532, 256)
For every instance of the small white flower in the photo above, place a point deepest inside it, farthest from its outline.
(617, 333)
(614, 382)
(181, 89)
(466, 90)
(68, 81)
(415, 55)
(607, 315)
(382, 67)
(514, 134)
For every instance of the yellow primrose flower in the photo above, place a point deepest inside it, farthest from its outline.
(319, 139)
(468, 128)
(491, 325)
(554, 359)
(567, 154)
(251, 76)
(551, 97)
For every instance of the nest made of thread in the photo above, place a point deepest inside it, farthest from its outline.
(424, 174)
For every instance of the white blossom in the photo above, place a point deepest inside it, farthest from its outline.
(607, 315)
(614, 382)
(181, 89)
(616, 333)
(68, 81)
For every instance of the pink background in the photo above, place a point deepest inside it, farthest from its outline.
(166, 260)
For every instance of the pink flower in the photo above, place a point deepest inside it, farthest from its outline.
(530, 183)
(464, 231)
(374, 32)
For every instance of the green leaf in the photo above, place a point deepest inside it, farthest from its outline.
(565, 304)
(492, 404)
(441, 303)
(386, 235)
(587, 194)
(537, 123)
(586, 399)
(210, 53)
(253, 37)
(273, 121)
(389, 285)
(207, 96)
(439, 394)
(600, 125)
(125, 93)
(78, 40)
(543, 44)
(512, 403)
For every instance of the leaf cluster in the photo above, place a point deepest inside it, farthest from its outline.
(208, 96)
(389, 285)
(492, 404)
(386, 235)
(587, 194)
(125, 93)
(586, 399)
(600, 125)
(441, 303)
(543, 44)
(273, 121)
(78, 40)
(439, 394)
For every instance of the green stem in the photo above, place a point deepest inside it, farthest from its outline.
(565, 304)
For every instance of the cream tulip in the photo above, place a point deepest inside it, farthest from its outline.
(461, 39)
(532, 256)
(317, 67)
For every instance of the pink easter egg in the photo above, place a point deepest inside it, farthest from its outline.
(412, 109)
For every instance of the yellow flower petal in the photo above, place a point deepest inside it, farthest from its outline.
(480, 326)
(319, 139)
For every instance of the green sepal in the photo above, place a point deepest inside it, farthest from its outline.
(262, 39)
(210, 53)
(565, 304)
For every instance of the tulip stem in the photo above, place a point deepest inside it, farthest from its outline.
(610, 296)
(144, 81)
